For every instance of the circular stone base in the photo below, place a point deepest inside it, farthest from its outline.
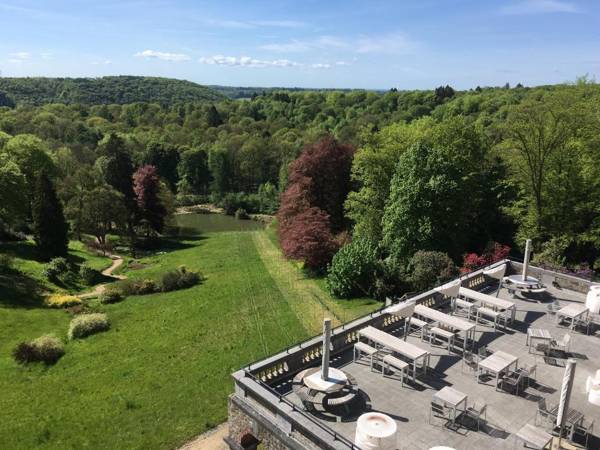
(337, 380)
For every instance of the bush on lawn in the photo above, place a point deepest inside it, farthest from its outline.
(181, 278)
(56, 268)
(88, 324)
(110, 296)
(137, 287)
(88, 275)
(47, 349)
(353, 269)
(62, 301)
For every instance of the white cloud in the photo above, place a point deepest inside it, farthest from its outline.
(290, 47)
(246, 61)
(296, 46)
(279, 23)
(540, 7)
(153, 54)
(256, 23)
(101, 62)
(392, 43)
(18, 57)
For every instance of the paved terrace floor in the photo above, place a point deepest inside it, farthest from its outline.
(507, 413)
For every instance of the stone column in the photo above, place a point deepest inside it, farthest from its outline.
(326, 341)
(526, 259)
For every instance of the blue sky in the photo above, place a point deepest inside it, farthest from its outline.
(309, 43)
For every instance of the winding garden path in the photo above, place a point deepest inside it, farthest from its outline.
(117, 261)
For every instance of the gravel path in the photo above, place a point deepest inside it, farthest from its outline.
(117, 261)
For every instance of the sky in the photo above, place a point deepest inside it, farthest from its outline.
(407, 44)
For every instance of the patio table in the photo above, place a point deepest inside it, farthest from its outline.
(573, 311)
(491, 302)
(453, 398)
(396, 345)
(540, 334)
(453, 322)
(497, 363)
(534, 436)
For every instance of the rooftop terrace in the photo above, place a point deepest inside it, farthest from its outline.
(409, 404)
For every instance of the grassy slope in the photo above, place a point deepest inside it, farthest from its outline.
(31, 281)
(308, 299)
(162, 373)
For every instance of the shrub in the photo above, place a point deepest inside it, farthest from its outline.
(181, 278)
(136, 287)
(88, 275)
(232, 201)
(88, 324)
(147, 286)
(353, 269)
(241, 214)
(55, 268)
(494, 252)
(47, 349)
(62, 301)
(6, 262)
(110, 296)
(429, 268)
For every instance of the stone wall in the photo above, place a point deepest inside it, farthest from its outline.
(246, 419)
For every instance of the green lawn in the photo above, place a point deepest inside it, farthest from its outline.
(161, 374)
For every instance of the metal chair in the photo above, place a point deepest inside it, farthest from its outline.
(529, 370)
(439, 411)
(469, 360)
(562, 345)
(544, 412)
(477, 412)
(584, 430)
(513, 380)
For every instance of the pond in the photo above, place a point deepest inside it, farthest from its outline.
(210, 223)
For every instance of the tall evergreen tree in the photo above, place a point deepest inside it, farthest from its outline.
(213, 118)
(118, 173)
(50, 228)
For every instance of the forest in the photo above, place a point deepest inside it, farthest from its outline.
(104, 90)
(405, 182)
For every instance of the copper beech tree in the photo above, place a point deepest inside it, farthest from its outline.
(312, 207)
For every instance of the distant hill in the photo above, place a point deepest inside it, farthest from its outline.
(105, 90)
(239, 92)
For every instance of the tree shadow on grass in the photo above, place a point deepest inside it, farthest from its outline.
(18, 290)
(22, 249)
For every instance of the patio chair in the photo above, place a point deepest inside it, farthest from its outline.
(470, 360)
(360, 348)
(562, 345)
(529, 370)
(477, 412)
(513, 380)
(544, 412)
(584, 430)
(482, 352)
(439, 411)
(591, 322)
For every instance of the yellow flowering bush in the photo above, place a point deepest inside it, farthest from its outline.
(62, 301)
